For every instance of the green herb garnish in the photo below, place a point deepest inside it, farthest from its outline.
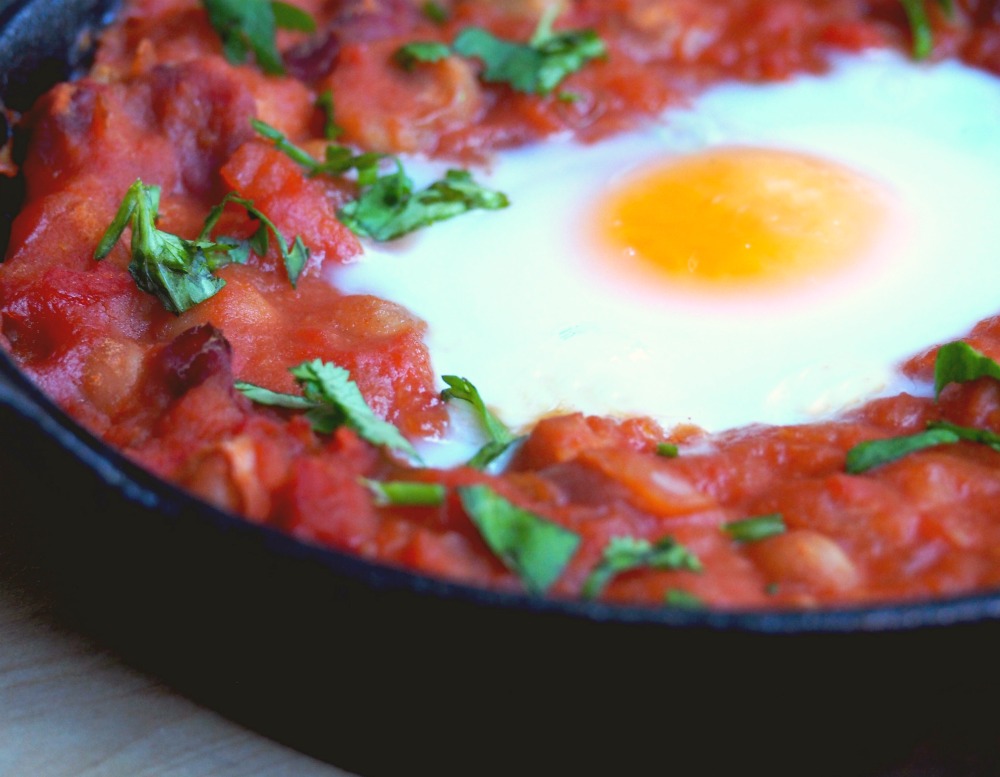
(330, 400)
(387, 207)
(537, 67)
(264, 396)
(390, 208)
(623, 554)
(755, 529)
(920, 25)
(678, 597)
(404, 493)
(291, 17)
(967, 433)
(667, 450)
(435, 12)
(294, 257)
(534, 548)
(250, 26)
(179, 272)
(338, 159)
(324, 102)
(960, 363)
(408, 56)
(874, 453)
(500, 437)
(956, 362)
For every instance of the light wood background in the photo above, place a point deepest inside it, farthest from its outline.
(70, 708)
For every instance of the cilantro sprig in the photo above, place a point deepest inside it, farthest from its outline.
(179, 272)
(248, 27)
(387, 207)
(755, 529)
(390, 208)
(294, 256)
(330, 399)
(435, 12)
(405, 493)
(338, 159)
(324, 102)
(500, 437)
(535, 67)
(534, 548)
(874, 453)
(677, 597)
(410, 55)
(956, 362)
(667, 450)
(920, 24)
(623, 554)
(959, 362)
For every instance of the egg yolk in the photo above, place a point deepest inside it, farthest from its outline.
(733, 216)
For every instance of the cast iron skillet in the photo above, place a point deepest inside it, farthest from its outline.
(386, 672)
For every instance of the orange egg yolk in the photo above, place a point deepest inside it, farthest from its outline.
(738, 216)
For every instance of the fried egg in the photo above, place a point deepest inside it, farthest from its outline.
(769, 254)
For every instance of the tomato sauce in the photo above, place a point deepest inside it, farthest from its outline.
(162, 104)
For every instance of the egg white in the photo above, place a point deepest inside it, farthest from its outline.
(523, 303)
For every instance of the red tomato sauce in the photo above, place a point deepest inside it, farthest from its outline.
(163, 104)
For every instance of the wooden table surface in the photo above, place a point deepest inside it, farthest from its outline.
(70, 708)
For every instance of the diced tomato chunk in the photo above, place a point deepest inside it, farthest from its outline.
(298, 206)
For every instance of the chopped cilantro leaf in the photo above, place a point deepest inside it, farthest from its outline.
(263, 396)
(667, 450)
(249, 26)
(331, 400)
(331, 131)
(281, 142)
(920, 25)
(409, 55)
(678, 597)
(462, 388)
(534, 548)
(294, 257)
(179, 272)
(623, 554)
(956, 362)
(399, 493)
(968, 434)
(501, 438)
(329, 385)
(435, 12)
(874, 453)
(389, 208)
(960, 363)
(755, 529)
(290, 17)
(339, 159)
(537, 67)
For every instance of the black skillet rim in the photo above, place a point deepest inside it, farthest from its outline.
(145, 491)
